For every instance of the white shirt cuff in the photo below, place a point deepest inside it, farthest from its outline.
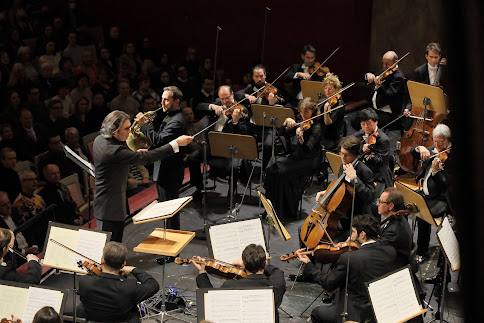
(175, 146)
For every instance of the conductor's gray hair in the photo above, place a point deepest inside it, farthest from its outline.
(112, 122)
(441, 130)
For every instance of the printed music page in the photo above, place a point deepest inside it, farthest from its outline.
(449, 243)
(12, 301)
(90, 244)
(254, 305)
(230, 239)
(160, 209)
(57, 256)
(393, 297)
(38, 298)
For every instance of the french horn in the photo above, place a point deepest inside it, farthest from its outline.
(136, 139)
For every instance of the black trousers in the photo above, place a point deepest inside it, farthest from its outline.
(115, 227)
(166, 193)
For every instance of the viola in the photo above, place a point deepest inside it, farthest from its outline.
(318, 69)
(325, 253)
(323, 220)
(90, 267)
(217, 267)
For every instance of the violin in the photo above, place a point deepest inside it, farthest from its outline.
(392, 69)
(371, 140)
(318, 69)
(334, 99)
(236, 106)
(91, 267)
(268, 88)
(217, 267)
(325, 253)
(306, 125)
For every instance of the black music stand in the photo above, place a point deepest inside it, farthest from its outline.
(85, 166)
(232, 146)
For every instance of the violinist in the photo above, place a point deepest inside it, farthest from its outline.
(34, 270)
(349, 150)
(388, 90)
(361, 269)
(300, 71)
(434, 173)
(333, 122)
(111, 297)
(265, 97)
(395, 229)
(378, 160)
(259, 274)
(286, 179)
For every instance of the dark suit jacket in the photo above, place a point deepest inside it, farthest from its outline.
(242, 127)
(66, 210)
(272, 276)
(33, 275)
(422, 75)
(397, 232)
(10, 182)
(168, 171)
(296, 82)
(378, 164)
(26, 147)
(438, 183)
(391, 92)
(112, 159)
(370, 261)
(110, 298)
(364, 189)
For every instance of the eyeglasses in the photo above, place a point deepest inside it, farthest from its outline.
(381, 202)
(438, 142)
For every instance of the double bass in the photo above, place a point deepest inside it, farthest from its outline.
(323, 220)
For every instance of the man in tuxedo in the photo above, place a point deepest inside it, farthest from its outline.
(110, 297)
(378, 160)
(259, 78)
(387, 95)
(373, 259)
(168, 173)
(259, 274)
(34, 270)
(434, 71)
(395, 230)
(299, 72)
(435, 183)
(112, 159)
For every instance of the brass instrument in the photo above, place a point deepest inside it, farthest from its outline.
(136, 139)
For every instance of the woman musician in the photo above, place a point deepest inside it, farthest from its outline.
(333, 123)
(285, 179)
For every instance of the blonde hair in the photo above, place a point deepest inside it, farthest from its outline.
(332, 80)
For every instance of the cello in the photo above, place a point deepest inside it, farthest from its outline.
(323, 220)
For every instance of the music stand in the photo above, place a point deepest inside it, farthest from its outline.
(334, 161)
(312, 89)
(232, 146)
(85, 166)
(164, 242)
(411, 196)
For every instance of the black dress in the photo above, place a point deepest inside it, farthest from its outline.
(286, 178)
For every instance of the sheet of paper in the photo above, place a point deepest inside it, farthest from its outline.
(57, 256)
(90, 244)
(161, 209)
(394, 298)
(12, 301)
(230, 239)
(239, 306)
(86, 164)
(38, 298)
(449, 243)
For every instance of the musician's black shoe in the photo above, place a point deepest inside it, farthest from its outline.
(167, 260)
(299, 278)
(327, 299)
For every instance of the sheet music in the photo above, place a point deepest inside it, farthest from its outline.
(230, 239)
(12, 301)
(239, 306)
(72, 155)
(89, 244)
(56, 255)
(161, 209)
(393, 297)
(38, 298)
(449, 243)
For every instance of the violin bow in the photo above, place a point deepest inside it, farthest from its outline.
(322, 64)
(393, 65)
(437, 154)
(77, 253)
(324, 101)
(264, 34)
(12, 250)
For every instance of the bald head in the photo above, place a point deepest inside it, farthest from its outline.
(388, 59)
(52, 173)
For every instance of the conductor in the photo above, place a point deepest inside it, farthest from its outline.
(112, 159)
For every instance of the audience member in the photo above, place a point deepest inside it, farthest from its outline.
(10, 182)
(96, 115)
(82, 89)
(78, 118)
(29, 137)
(124, 102)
